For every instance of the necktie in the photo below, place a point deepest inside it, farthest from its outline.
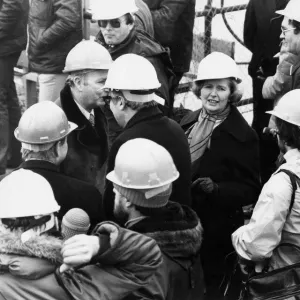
(92, 120)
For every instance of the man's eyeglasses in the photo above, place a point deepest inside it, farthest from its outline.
(114, 23)
(285, 30)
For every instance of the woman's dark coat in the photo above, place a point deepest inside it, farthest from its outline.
(232, 162)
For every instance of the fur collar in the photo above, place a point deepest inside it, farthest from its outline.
(43, 246)
(177, 230)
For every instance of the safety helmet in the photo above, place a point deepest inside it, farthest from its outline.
(131, 72)
(43, 123)
(143, 164)
(87, 55)
(111, 9)
(217, 65)
(24, 193)
(291, 11)
(288, 108)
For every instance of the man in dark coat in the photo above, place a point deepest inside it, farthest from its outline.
(54, 28)
(13, 38)
(46, 119)
(142, 207)
(138, 115)
(173, 27)
(81, 99)
(143, 18)
(261, 37)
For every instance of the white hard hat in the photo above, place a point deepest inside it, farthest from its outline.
(143, 164)
(111, 9)
(88, 55)
(218, 65)
(24, 193)
(288, 107)
(291, 11)
(43, 123)
(131, 72)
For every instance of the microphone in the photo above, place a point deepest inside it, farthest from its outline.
(75, 221)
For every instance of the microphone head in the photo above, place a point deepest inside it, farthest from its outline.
(75, 221)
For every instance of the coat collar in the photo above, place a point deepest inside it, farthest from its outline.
(296, 66)
(240, 132)
(39, 164)
(73, 112)
(143, 115)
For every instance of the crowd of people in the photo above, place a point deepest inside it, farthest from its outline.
(111, 196)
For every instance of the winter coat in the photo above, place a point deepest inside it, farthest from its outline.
(261, 34)
(143, 18)
(173, 27)
(232, 162)
(140, 43)
(88, 145)
(178, 232)
(126, 262)
(69, 192)
(150, 123)
(13, 24)
(54, 28)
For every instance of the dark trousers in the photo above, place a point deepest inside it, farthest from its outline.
(268, 145)
(10, 112)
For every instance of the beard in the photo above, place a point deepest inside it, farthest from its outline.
(120, 214)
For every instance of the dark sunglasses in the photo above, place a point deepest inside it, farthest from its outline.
(114, 23)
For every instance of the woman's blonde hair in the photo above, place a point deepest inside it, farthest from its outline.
(235, 94)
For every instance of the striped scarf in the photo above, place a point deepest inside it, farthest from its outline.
(199, 133)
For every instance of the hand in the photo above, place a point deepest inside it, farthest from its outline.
(205, 184)
(79, 250)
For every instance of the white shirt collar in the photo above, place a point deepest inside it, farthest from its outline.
(84, 111)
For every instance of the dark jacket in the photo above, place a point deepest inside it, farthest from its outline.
(261, 34)
(150, 123)
(178, 233)
(143, 19)
(88, 146)
(140, 43)
(296, 75)
(54, 28)
(69, 192)
(29, 271)
(173, 27)
(13, 25)
(232, 162)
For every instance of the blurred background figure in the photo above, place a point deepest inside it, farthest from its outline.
(173, 27)
(13, 39)
(143, 18)
(262, 38)
(225, 162)
(43, 131)
(54, 28)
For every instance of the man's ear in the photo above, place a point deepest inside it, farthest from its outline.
(121, 103)
(78, 82)
(128, 204)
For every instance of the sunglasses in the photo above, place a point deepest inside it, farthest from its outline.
(286, 30)
(114, 23)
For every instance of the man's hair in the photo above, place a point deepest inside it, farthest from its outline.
(132, 104)
(81, 74)
(288, 132)
(234, 97)
(48, 155)
(295, 24)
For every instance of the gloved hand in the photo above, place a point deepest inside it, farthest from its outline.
(205, 184)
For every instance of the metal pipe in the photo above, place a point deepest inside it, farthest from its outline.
(206, 11)
(85, 20)
(207, 28)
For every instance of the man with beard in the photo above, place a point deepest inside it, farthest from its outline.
(142, 179)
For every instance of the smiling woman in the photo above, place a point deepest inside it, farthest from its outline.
(225, 163)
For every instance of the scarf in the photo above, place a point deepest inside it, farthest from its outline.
(199, 133)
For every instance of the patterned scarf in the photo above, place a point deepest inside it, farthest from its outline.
(199, 133)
